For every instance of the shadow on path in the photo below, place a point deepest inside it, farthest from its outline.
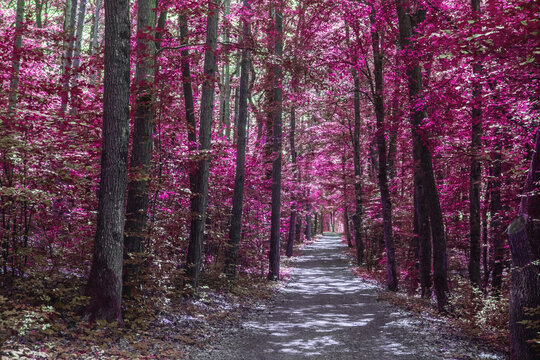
(324, 312)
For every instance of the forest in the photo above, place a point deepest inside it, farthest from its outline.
(156, 153)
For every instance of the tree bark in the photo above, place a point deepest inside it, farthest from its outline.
(496, 221)
(68, 56)
(392, 281)
(524, 239)
(274, 256)
(359, 211)
(225, 96)
(427, 196)
(475, 174)
(105, 282)
(292, 222)
(15, 62)
(238, 194)
(199, 198)
(141, 153)
(77, 52)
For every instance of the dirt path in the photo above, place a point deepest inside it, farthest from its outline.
(324, 312)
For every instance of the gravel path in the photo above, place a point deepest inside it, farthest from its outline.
(324, 312)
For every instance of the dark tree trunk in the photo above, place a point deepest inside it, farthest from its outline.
(238, 194)
(189, 102)
(392, 281)
(199, 197)
(308, 225)
(105, 282)
(290, 238)
(357, 217)
(141, 154)
(427, 196)
(475, 174)
(496, 221)
(357, 173)
(524, 239)
(346, 225)
(274, 256)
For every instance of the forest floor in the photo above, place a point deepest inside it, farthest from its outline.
(325, 312)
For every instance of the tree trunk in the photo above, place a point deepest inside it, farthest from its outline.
(15, 62)
(105, 282)
(357, 217)
(274, 256)
(346, 225)
(39, 11)
(427, 196)
(77, 52)
(225, 95)
(496, 221)
(238, 194)
(94, 43)
(71, 10)
(524, 239)
(141, 154)
(199, 198)
(475, 174)
(290, 239)
(392, 281)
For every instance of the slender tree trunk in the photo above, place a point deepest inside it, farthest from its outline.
(238, 194)
(189, 102)
(346, 225)
(290, 239)
(357, 217)
(95, 28)
(39, 11)
(199, 198)
(496, 221)
(524, 239)
(475, 174)
(226, 100)
(77, 53)
(274, 256)
(16, 61)
(141, 154)
(427, 196)
(68, 56)
(392, 281)
(105, 282)
(94, 43)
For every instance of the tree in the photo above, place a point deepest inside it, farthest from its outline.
(428, 209)
(392, 280)
(104, 285)
(476, 170)
(69, 28)
(16, 59)
(274, 256)
(524, 239)
(141, 153)
(357, 217)
(239, 178)
(294, 156)
(199, 198)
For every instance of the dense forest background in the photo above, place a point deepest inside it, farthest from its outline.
(224, 133)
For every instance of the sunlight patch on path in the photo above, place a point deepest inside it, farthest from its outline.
(325, 312)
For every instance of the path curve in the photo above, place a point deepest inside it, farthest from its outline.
(324, 312)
